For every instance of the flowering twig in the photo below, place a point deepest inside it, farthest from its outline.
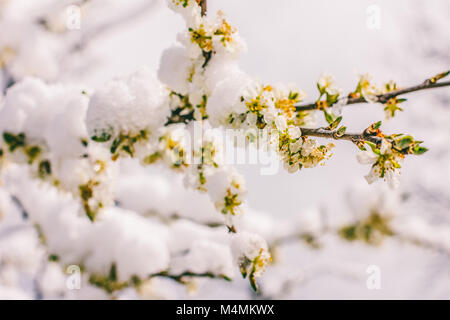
(383, 98)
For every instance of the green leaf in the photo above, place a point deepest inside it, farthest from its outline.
(116, 143)
(340, 132)
(103, 137)
(152, 158)
(226, 278)
(329, 117)
(44, 169)
(32, 153)
(335, 123)
(348, 233)
(293, 95)
(113, 273)
(321, 90)
(396, 164)
(53, 257)
(440, 76)
(373, 147)
(404, 142)
(253, 283)
(420, 150)
(84, 142)
(128, 150)
(361, 146)
(332, 99)
(14, 141)
(376, 125)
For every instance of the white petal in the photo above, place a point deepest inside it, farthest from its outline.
(366, 157)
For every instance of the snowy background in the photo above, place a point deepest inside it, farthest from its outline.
(289, 41)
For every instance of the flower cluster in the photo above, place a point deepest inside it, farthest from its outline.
(186, 70)
(366, 89)
(208, 34)
(327, 86)
(391, 106)
(303, 153)
(252, 255)
(250, 105)
(386, 158)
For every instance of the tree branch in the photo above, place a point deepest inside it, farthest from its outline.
(333, 134)
(202, 4)
(427, 84)
(179, 277)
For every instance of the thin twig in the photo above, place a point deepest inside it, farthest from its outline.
(333, 134)
(423, 243)
(203, 6)
(427, 84)
(401, 238)
(179, 277)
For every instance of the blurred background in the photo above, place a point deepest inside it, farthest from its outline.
(293, 41)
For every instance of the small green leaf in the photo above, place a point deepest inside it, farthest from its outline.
(53, 257)
(128, 150)
(14, 141)
(404, 142)
(32, 153)
(332, 99)
(340, 132)
(376, 125)
(335, 123)
(373, 147)
(348, 233)
(328, 117)
(84, 142)
(321, 90)
(396, 164)
(113, 273)
(420, 150)
(440, 76)
(115, 144)
(226, 278)
(44, 169)
(152, 158)
(103, 137)
(253, 283)
(293, 95)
